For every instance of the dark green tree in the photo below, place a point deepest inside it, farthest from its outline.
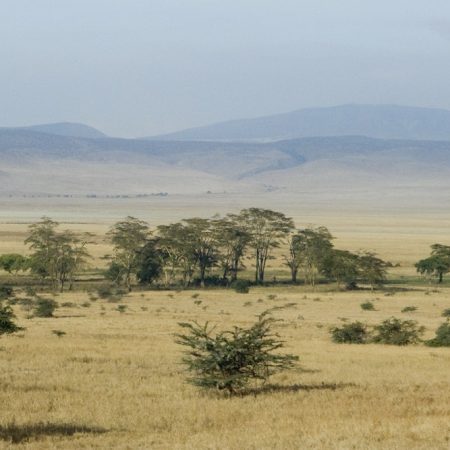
(149, 262)
(13, 262)
(437, 264)
(7, 325)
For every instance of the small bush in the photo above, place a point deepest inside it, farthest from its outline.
(229, 360)
(446, 313)
(7, 325)
(394, 331)
(367, 306)
(407, 309)
(442, 338)
(350, 333)
(241, 286)
(59, 333)
(45, 307)
(121, 308)
(5, 292)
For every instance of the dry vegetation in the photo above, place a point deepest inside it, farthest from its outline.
(114, 380)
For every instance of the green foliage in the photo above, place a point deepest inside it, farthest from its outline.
(229, 360)
(395, 331)
(371, 269)
(309, 249)
(7, 325)
(5, 292)
(241, 286)
(341, 266)
(45, 307)
(266, 229)
(437, 264)
(128, 238)
(121, 308)
(446, 313)
(350, 333)
(56, 255)
(367, 306)
(442, 338)
(13, 262)
(149, 263)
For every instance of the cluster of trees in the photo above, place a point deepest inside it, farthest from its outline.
(437, 264)
(217, 248)
(198, 250)
(56, 255)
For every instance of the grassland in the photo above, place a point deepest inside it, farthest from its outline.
(114, 380)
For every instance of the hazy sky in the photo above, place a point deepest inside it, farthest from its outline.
(142, 67)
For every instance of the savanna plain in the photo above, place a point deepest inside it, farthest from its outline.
(115, 378)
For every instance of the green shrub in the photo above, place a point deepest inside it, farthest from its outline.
(407, 309)
(442, 338)
(350, 333)
(230, 360)
(45, 307)
(7, 325)
(446, 312)
(394, 331)
(5, 292)
(241, 286)
(121, 308)
(112, 294)
(367, 306)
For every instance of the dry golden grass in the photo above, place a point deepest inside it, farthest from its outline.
(114, 380)
(118, 375)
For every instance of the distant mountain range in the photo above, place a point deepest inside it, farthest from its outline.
(380, 121)
(34, 162)
(64, 129)
(245, 156)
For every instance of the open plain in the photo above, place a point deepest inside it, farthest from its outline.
(114, 379)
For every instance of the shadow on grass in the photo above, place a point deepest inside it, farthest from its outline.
(16, 434)
(276, 388)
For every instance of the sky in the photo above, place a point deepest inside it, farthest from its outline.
(144, 67)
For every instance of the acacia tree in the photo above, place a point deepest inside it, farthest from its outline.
(341, 266)
(313, 246)
(232, 239)
(372, 270)
(201, 242)
(57, 255)
(267, 229)
(128, 237)
(437, 264)
(174, 253)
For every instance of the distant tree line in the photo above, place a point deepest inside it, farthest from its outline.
(208, 251)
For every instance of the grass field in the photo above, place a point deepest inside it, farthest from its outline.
(114, 380)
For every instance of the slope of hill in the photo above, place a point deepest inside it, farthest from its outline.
(35, 162)
(65, 129)
(380, 121)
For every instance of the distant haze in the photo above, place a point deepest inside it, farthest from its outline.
(141, 68)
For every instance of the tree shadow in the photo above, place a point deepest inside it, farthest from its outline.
(297, 387)
(16, 434)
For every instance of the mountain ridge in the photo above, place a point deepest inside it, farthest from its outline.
(379, 121)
